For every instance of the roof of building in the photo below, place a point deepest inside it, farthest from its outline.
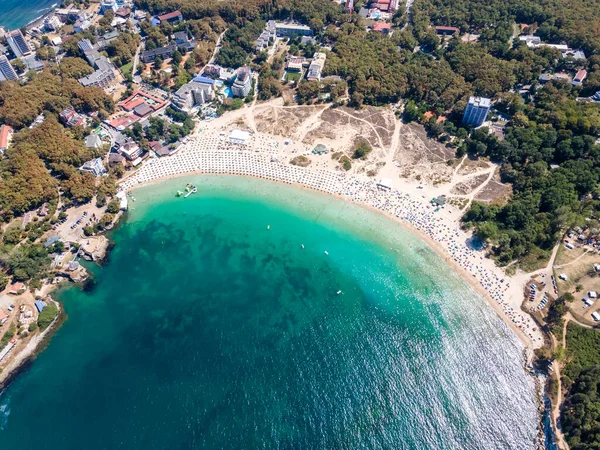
(93, 141)
(239, 135)
(380, 26)
(159, 51)
(51, 240)
(480, 101)
(16, 287)
(169, 16)
(204, 80)
(40, 305)
(581, 74)
(143, 110)
(445, 28)
(123, 12)
(5, 132)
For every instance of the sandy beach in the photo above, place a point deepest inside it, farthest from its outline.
(210, 153)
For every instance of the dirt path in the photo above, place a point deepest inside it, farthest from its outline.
(308, 125)
(574, 261)
(381, 145)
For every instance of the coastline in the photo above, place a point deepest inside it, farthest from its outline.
(431, 243)
(139, 179)
(34, 347)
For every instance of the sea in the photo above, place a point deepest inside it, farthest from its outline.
(18, 13)
(260, 315)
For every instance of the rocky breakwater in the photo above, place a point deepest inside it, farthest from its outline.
(94, 248)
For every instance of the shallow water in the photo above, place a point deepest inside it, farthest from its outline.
(209, 330)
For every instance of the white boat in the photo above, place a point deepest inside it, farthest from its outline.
(339, 292)
(326, 252)
(302, 245)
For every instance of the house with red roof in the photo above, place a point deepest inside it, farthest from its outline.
(446, 31)
(579, 77)
(16, 288)
(172, 17)
(381, 27)
(6, 133)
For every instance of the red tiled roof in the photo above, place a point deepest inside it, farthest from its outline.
(580, 77)
(381, 26)
(5, 131)
(445, 28)
(169, 16)
(130, 106)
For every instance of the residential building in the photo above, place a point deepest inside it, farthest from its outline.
(93, 141)
(264, 40)
(172, 17)
(130, 150)
(123, 13)
(192, 94)
(243, 82)
(446, 31)
(115, 158)
(476, 111)
(100, 78)
(383, 28)
(32, 62)
(164, 52)
(105, 5)
(294, 64)
(52, 23)
(81, 25)
(316, 67)
(104, 75)
(579, 77)
(70, 118)
(5, 135)
(85, 45)
(289, 29)
(17, 43)
(531, 40)
(95, 167)
(182, 41)
(66, 14)
(7, 73)
(107, 38)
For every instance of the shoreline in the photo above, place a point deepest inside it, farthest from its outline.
(430, 242)
(34, 347)
(511, 314)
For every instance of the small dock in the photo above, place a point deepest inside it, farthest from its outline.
(191, 191)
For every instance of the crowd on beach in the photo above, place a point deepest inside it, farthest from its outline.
(212, 153)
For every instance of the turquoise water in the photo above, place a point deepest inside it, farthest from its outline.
(208, 330)
(17, 13)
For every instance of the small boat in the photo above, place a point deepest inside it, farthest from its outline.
(339, 292)
(268, 227)
(302, 245)
(179, 193)
(326, 252)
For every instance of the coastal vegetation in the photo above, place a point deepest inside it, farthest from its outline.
(47, 315)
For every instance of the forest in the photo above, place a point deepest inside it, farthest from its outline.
(580, 415)
(42, 159)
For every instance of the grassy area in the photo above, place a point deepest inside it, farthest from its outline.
(293, 76)
(126, 69)
(47, 315)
